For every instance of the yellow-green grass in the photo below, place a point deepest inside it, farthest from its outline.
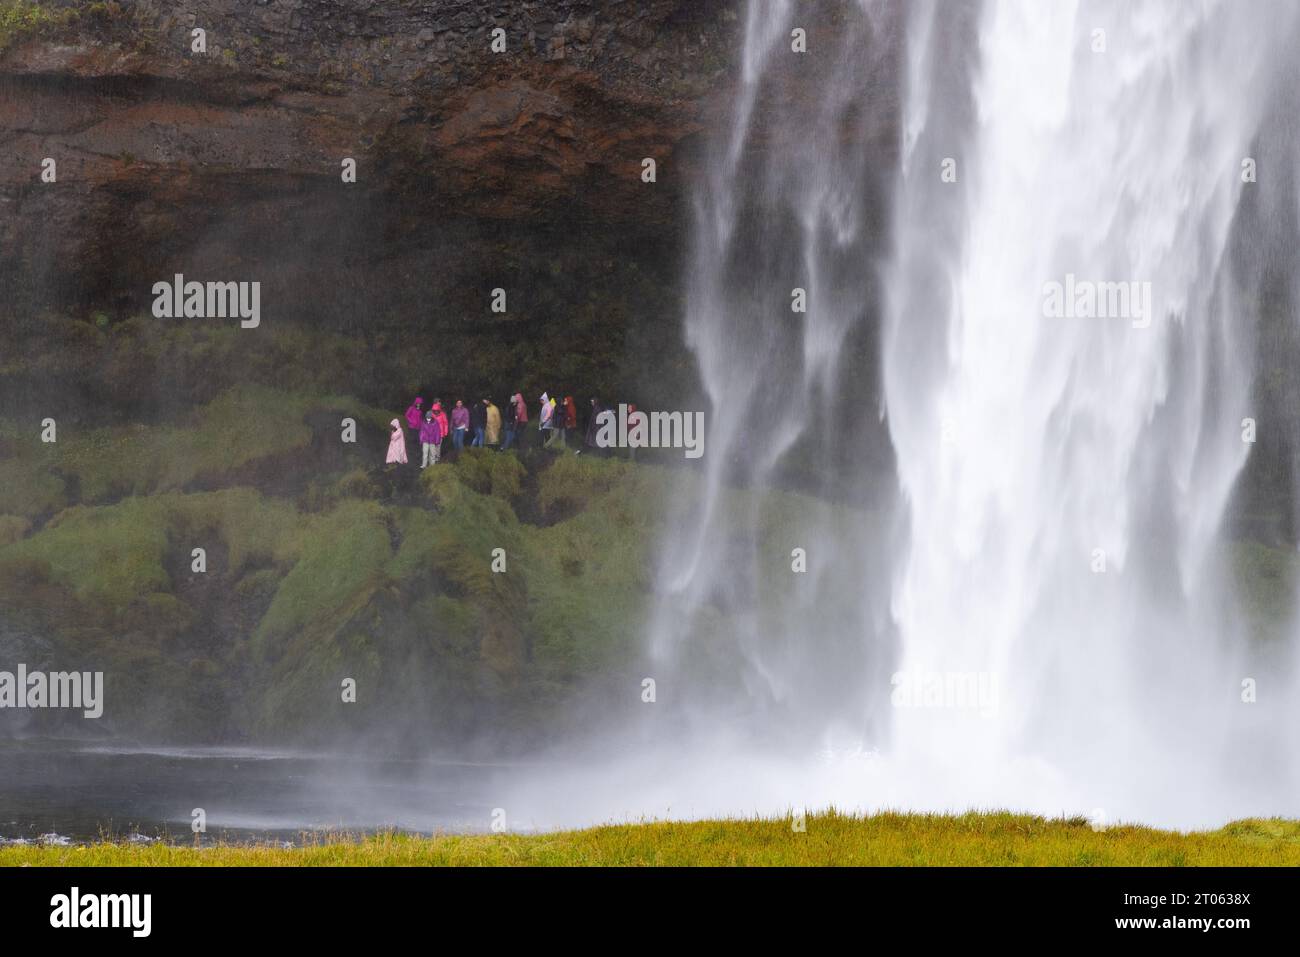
(997, 839)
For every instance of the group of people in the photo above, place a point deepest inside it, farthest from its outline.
(482, 425)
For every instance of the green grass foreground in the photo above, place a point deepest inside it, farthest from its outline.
(997, 839)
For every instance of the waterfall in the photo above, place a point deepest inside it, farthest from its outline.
(1065, 477)
(1006, 432)
(780, 284)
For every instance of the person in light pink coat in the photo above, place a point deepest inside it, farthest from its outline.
(396, 445)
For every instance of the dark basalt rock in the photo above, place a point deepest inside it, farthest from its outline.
(158, 147)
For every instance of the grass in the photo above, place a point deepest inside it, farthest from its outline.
(831, 838)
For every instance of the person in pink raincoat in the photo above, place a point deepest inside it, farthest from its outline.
(396, 445)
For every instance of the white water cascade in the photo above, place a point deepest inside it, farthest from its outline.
(788, 226)
(1041, 561)
(1065, 477)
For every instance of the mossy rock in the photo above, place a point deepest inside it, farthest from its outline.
(13, 528)
(250, 435)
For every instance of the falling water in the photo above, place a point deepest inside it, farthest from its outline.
(780, 290)
(1065, 478)
(1041, 557)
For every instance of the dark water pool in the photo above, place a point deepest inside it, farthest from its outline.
(61, 792)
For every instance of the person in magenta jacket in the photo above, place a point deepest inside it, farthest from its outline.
(459, 424)
(413, 416)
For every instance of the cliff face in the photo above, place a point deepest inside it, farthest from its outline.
(475, 169)
(287, 88)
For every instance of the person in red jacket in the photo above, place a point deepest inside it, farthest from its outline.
(570, 423)
(443, 425)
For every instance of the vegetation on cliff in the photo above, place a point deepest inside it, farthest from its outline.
(319, 566)
(21, 19)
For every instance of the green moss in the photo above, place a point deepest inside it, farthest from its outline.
(238, 429)
(255, 529)
(115, 554)
(30, 486)
(13, 528)
(21, 19)
(383, 576)
(169, 614)
(471, 525)
(342, 558)
(261, 582)
(572, 481)
(590, 575)
(456, 619)
(489, 473)
(409, 604)
(110, 554)
(405, 598)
